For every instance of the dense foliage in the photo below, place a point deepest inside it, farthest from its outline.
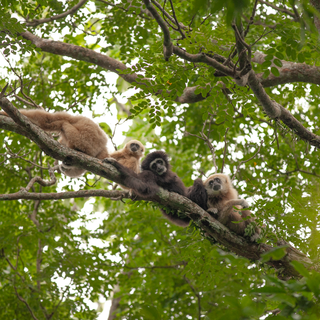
(59, 257)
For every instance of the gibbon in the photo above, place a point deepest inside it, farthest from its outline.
(76, 132)
(222, 197)
(157, 169)
(130, 155)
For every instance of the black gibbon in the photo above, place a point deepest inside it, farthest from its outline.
(198, 194)
(156, 171)
(76, 132)
(156, 168)
(222, 197)
(130, 155)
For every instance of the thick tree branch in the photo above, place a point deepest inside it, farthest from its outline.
(275, 111)
(80, 53)
(289, 72)
(74, 9)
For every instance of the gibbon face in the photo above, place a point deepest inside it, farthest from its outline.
(217, 184)
(158, 166)
(135, 147)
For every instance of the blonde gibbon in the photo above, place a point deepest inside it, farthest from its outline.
(76, 132)
(130, 155)
(222, 197)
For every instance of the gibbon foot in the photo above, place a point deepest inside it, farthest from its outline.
(109, 161)
(213, 212)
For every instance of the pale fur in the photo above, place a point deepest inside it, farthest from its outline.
(221, 202)
(76, 132)
(129, 158)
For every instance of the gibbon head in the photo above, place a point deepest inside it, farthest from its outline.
(156, 162)
(135, 147)
(218, 184)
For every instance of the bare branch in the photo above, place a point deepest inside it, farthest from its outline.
(168, 16)
(74, 9)
(251, 18)
(41, 181)
(284, 10)
(25, 302)
(176, 20)
(111, 194)
(167, 44)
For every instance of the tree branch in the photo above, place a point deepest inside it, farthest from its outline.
(74, 9)
(167, 44)
(283, 10)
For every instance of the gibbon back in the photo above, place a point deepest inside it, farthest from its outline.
(76, 132)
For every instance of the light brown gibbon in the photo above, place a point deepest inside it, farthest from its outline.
(222, 197)
(130, 155)
(76, 132)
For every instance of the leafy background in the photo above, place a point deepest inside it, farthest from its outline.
(89, 247)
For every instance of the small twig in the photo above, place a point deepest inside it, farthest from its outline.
(21, 86)
(210, 145)
(239, 37)
(42, 182)
(284, 10)
(244, 161)
(16, 156)
(121, 106)
(158, 5)
(225, 150)
(176, 266)
(204, 20)
(263, 34)
(251, 18)
(176, 20)
(164, 18)
(196, 294)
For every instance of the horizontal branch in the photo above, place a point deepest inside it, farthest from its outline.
(74, 9)
(290, 72)
(80, 53)
(111, 194)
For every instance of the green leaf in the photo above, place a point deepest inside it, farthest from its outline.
(277, 62)
(275, 71)
(300, 268)
(274, 254)
(301, 58)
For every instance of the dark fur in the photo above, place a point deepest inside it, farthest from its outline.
(133, 180)
(168, 181)
(198, 194)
